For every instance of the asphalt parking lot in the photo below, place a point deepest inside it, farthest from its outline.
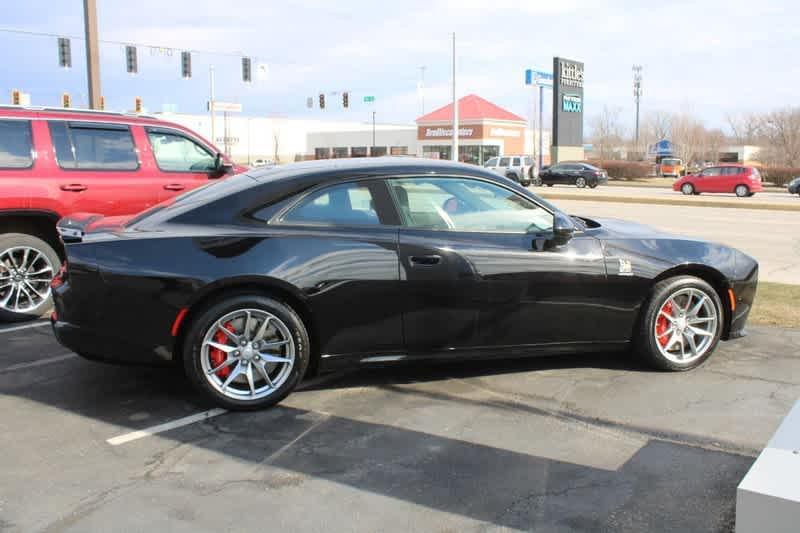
(579, 443)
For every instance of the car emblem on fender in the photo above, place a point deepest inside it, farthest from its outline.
(625, 268)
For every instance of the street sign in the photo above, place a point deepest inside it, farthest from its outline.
(369, 99)
(226, 107)
(538, 77)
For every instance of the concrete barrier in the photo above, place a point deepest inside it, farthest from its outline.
(768, 498)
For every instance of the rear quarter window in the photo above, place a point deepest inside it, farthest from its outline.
(16, 146)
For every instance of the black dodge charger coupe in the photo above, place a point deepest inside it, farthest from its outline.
(252, 281)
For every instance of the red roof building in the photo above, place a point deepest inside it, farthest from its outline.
(485, 130)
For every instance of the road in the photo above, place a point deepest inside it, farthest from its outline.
(578, 443)
(774, 198)
(772, 237)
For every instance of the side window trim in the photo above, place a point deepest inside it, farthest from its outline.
(169, 131)
(93, 126)
(32, 150)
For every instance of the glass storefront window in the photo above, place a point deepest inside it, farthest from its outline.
(358, 151)
(377, 151)
(467, 153)
(340, 152)
(399, 150)
(322, 153)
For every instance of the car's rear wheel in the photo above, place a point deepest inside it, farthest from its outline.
(580, 182)
(27, 265)
(593, 184)
(512, 176)
(246, 352)
(742, 191)
(681, 325)
(687, 188)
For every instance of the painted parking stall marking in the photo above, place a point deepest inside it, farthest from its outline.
(26, 326)
(167, 426)
(40, 362)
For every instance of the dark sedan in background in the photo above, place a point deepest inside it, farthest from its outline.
(794, 186)
(250, 282)
(579, 174)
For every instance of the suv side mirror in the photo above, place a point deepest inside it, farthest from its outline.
(221, 167)
(563, 228)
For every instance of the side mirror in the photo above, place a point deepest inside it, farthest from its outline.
(563, 228)
(221, 167)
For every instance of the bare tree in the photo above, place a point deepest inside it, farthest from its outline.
(744, 127)
(780, 131)
(688, 137)
(607, 131)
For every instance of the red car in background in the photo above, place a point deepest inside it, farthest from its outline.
(59, 161)
(730, 178)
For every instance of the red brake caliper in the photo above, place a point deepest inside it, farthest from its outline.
(662, 324)
(217, 356)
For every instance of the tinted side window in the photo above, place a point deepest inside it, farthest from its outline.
(346, 204)
(175, 153)
(93, 147)
(15, 144)
(492, 162)
(463, 204)
(516, 162)
(503, 162)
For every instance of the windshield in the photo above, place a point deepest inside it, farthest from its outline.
(671, 162)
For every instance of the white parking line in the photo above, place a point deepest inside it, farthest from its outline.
(26, 326)
(180, 422)
(40, 362)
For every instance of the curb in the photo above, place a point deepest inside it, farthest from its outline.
(667, 201)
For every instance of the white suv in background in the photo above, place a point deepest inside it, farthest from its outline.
(515, 167)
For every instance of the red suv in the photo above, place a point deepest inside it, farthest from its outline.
(738, 179)
(55, 161)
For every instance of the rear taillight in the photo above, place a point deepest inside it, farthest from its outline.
(60, 277)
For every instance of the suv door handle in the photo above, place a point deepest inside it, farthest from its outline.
(174, 187)
(425, 260)
(74, 187)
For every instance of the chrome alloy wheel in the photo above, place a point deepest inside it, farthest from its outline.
(686, 325)
(247, 354)
(580, 182)
(25, 275)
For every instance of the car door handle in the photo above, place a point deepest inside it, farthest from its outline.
(174, 187)
(425, 260)
(74, 187)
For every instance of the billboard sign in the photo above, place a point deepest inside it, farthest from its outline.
(567, 103)
(538, 77)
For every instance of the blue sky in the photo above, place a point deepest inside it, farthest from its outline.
(706, 56)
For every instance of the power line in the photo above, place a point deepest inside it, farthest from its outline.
(123, 43)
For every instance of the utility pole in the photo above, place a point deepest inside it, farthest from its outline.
(92, 52)
(211, 102)
(637, 95)
(455, 105)
(422, 87)
(541, 141)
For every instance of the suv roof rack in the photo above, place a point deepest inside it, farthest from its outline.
(73, 110)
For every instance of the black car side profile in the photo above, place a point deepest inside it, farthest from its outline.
(253, 281)
(579, 174)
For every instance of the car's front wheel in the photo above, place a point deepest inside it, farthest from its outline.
(246, 352)
(687, 188)
(681, 325)
(27, 264)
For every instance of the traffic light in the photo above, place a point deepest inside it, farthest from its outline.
(137, 104)
(66, 100)
(186, 65)
(310, 102)
(321, 101)
(247, 70)
(131, 61)
(345, 100)
(102, 102)
(15, 97)
(64, 53)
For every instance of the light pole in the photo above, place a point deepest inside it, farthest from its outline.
(455, 105)
(422, 87)
(211, 102)
(637, 95)
(92, 52)
(373, 131)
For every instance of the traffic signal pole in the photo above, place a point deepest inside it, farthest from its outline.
(92, 52)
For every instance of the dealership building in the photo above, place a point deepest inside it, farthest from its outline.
(485, 130)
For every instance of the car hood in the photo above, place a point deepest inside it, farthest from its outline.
(615, 228)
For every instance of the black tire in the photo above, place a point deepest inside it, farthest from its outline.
(549, 184)
(687, 189)
(645, 344)
(10, 241)
(512, 177)
(742, 191)
(593, 184)
(199, 327)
